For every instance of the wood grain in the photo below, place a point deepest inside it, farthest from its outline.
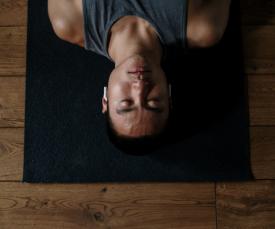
(246, 205)
(255, 12)
(262, 153)
(12, 50)
(259, 49)
(259, 66)
(262, 99)
(259, 41)
(12, 101)
(11, 154)
(142, 205)
(13, 12)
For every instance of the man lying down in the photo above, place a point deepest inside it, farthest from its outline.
(133, 34)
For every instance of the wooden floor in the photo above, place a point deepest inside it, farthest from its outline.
(144, 205)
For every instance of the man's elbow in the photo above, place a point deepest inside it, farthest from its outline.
(206, 35)
(61, 25)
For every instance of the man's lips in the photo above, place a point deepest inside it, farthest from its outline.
(138, 72)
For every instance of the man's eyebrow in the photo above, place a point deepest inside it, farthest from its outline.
(127, 110)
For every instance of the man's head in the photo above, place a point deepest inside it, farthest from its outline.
(137, 103)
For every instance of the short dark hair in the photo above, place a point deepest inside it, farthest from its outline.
(135, 145)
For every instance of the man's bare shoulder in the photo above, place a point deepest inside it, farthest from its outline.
(66, 17)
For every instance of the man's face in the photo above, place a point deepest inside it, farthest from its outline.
(138, 103)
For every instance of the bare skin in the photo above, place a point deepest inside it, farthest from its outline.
(139, 103)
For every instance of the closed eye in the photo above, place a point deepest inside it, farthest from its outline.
(124, 111)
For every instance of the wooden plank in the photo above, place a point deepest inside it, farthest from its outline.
(262, 99)
(12, 101)
(263, 152)
(248, 205)
(259, 49)
(12, 50)
(259, 66)
(11, 154)
(142, 205)
(259, 41)
(13, 12)
(255, 12)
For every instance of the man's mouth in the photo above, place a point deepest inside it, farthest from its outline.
(138, 72)
(138, 69)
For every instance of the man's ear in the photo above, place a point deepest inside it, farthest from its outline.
(104, 105)
(104, 101)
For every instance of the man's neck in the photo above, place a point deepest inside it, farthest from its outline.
(133, 35)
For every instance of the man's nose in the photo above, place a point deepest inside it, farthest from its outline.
(141, 85)
(141, 88)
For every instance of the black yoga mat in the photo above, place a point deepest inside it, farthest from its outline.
(65, 133)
